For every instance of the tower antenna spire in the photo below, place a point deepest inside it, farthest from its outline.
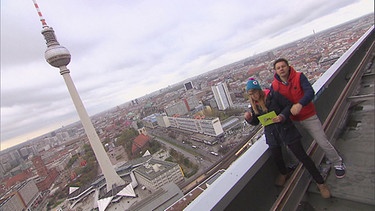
(44, 24)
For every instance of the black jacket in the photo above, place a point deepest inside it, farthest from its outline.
(282, 132)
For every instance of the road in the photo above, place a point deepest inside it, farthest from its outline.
(199, 156)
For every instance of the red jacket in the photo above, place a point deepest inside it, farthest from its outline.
(297, 91)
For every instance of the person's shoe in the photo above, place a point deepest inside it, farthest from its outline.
(281, 179)
(324, 191)
(292, 166)
(340, 171)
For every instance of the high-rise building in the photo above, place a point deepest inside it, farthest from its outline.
(222, 96)
(188, 85)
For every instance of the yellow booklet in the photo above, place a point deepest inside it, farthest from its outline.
(266, 119)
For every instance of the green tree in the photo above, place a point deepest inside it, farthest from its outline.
(173, 153)
(223, 115)
(154, 146)
(186, 162)
(71, 161)
(223, 150)
(126, 139)
(172, 135)
(139, 124)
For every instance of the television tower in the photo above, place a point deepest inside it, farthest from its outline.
(58, 56)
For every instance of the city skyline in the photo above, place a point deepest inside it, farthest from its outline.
(23, 110)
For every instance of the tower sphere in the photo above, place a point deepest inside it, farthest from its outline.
(57, 56)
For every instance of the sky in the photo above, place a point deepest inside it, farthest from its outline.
(122, 50)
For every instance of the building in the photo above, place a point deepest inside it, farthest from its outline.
(188, 85)
(180, 108)
(163, 121)
(222, 96)
(191, 102)
(40, 167)
(211, 127)
(25, 196)
(153, 174)
(164, 197)
(10, 181)
(140, 143)
(143, 176)
(46, 176)
(150, 121)
(46, 182)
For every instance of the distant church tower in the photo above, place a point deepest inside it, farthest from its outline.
(141, 129)
(58, 56)
(40, 167)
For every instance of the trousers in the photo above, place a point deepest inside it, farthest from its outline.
(297, 149)
(314, 127)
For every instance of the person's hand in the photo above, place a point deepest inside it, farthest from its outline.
(247, 115)
(277, 119)
(296, 108)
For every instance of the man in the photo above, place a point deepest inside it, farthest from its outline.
(281, 131)
(295, 87)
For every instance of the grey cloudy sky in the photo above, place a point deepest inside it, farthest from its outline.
(122, 50)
